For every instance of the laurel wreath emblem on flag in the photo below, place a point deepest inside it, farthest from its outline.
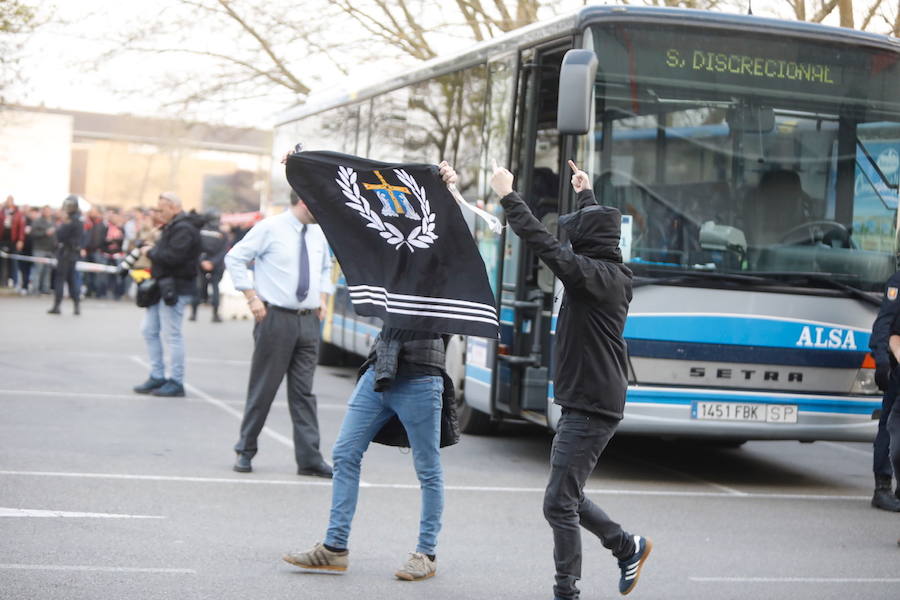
(422, 236)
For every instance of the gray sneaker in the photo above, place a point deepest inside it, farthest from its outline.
(417, 568)
(319, 558)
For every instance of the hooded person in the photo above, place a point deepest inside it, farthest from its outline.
(590, 371)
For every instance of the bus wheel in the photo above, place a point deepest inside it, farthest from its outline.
(473, 421)
(331, 355)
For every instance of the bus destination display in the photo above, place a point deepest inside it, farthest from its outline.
(744, 62)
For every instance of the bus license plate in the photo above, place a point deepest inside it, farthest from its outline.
(736, 411)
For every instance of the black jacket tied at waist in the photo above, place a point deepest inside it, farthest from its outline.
(405, 353)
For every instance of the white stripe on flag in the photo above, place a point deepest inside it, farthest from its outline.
(422, 313)
(421, 305)
(423, 299)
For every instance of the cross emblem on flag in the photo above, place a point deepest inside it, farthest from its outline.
(393, 198)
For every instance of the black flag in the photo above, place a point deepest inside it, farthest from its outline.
(401, 240)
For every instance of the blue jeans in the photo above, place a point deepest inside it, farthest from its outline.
(417, 402)
(164, 321)
(41, 273)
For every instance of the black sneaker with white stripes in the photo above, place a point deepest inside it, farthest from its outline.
(631, 567)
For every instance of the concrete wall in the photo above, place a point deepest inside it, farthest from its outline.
(35, 155)
(126, 174)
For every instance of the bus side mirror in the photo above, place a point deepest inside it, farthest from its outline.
(576, 91)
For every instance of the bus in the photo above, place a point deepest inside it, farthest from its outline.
(755, 163)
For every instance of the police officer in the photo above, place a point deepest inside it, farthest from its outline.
(214, 246)
(886, 377)
(69, 245)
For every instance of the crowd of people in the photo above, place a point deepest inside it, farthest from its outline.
(30, 231)
(29, 244)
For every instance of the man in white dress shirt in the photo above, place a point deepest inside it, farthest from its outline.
(288, 294)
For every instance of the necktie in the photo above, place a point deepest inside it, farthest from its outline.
(303, 279)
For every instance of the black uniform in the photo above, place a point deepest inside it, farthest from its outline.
(69, 242)
(886, 376)
(214, 247)
(590, 376)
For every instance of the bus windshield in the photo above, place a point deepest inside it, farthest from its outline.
(731, 152)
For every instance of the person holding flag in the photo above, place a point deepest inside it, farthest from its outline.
(590, 371)
(403, 396)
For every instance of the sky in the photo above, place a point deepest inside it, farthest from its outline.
(63, 69)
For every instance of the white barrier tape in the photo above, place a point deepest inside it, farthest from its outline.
(87, 267)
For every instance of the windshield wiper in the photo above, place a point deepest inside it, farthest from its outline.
(826, 279)
(687, 276)
(756, 279)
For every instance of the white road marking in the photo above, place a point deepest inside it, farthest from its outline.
(688, 476)
(32, 512)
(99, 396)
(90, 395)
(795, 579)
(239, 415)
(247, 479)
(311, 482)
(190, 359)
(17, 567)
(846, 448)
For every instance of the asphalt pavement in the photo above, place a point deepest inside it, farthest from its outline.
(105, 494)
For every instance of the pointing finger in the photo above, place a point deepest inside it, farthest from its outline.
(573, 166)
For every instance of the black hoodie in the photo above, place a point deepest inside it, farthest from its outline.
(589, 356)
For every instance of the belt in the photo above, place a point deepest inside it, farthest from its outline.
(301, 312)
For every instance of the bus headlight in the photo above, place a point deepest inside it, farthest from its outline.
(865, 383)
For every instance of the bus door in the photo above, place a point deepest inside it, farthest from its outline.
(527, 285)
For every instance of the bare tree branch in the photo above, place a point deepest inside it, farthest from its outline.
(845, 10)
(394, 34)
(870, 14)
(299, 87)
(826, 9)
(471, 18)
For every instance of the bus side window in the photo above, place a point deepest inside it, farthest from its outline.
(543, 200)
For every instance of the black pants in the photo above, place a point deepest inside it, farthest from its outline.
(285, 344)
(580, 440)
(881, 459)
(66, 275)
(887, 441)
(207, 288)
(6, 264)
(24, 271)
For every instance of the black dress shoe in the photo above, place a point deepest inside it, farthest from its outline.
(323, 470)
(148, 386)
(885, 499)
(242, 464)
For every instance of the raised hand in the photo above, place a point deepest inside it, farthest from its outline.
(580, 179)
(448, 174)
(501, 181)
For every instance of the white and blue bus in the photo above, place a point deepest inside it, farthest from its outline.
(755, 162)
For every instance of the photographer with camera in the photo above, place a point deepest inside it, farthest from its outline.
(174, 258)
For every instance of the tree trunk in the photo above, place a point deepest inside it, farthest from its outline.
(845, 8)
